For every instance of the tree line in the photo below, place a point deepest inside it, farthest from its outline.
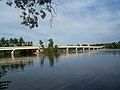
(14, 42)
(51, 49)
(113, 45)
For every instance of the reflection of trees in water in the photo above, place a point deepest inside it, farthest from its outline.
(109, 51)
(12, 66)
(3, 84)
(20, 65)
(42, 60)
(51, 57)
(114, 51)
(51, 60)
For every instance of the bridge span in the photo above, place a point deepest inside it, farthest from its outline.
(79, 48)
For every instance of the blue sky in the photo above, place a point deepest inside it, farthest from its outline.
(76, 22)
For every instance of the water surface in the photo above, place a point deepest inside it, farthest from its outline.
(95, 70)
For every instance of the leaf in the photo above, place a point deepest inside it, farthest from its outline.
(43, 14)
(9, 3)
(48, 8)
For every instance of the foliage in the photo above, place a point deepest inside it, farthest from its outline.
(21, 41)
(14, 42)
(32, 9)
(50, 43)
(51, 48)
(56, 49)
(114, 45)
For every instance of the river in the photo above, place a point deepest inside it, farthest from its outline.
(94, 70)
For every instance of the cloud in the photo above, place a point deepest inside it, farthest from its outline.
(77, 21)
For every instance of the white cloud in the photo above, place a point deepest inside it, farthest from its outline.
(78, 21)
(77, 5)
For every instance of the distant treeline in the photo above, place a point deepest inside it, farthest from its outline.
(113, 45)
(14, 42)
(51, 49)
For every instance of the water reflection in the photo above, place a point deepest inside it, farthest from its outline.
(71, 70)
(13, 65)
(51, 58)
(113, 51)
(16, 64)
(107, 52)
(3, 84)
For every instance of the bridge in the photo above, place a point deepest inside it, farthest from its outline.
(38, 48)
(79, 48)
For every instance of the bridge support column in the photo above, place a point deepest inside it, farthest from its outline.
(67, 49)
(37, 51)
(12, 53)
(76, 49)
(88, 48)
(83, 49)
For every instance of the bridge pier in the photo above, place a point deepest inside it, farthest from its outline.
(89, 48)
(76, 49)
(12, 53)
(37, 51)
(83, 49)
(67, 49)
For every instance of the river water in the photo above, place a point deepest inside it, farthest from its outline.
(94, 70)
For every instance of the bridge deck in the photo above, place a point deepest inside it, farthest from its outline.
(37, 47)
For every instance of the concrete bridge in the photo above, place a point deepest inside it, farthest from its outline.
(38, 48)
(13, 49)
(79, 48)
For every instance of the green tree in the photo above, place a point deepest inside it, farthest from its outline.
(21, 41)
(31, 43)
(15, 42)
(7, 43)
(32, 9)
(2, 41)
(11, 41)
(28, 43)
(56, 49)
(50, 43)
(41, 43)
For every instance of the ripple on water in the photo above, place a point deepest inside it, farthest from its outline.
(96, 70)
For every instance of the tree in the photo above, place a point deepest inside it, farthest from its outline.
(11, 41)
(31, 43)
(7, 42)
(15, 42)
(32, 9)
(21, 41)
(28, 43)
(2, 40)
(40, 42)
(50, 44)
(56, 49)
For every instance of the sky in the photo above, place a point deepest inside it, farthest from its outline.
(76, 22)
